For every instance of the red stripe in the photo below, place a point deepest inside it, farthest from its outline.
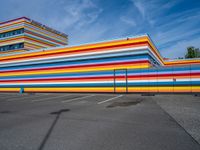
(164, 75)
(13, 20)
(68, 67)
(183, 63)
(36, 34)
(77, 51)
(30, 38)
(57, 79)
(100, 77)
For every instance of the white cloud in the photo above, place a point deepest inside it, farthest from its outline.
(76, 14)
(175, 35)
(130, 21)
(179, 26)
(78, 20)
(140, 7)
(152, 10)
(179, 49)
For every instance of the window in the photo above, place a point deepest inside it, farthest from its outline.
(11, 47)
(11, 33)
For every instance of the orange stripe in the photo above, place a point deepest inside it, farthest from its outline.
(76, 52)
(75, 48)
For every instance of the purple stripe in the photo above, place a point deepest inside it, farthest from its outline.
(14, 20)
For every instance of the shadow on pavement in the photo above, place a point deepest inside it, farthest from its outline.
(57, 113)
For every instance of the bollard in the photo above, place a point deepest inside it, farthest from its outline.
(21, 90)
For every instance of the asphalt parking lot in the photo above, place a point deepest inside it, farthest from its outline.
(67, 121)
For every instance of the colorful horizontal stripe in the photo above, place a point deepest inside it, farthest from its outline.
(130, 65)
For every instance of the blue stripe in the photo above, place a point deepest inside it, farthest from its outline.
(95, 73)
(182, 83)
(96, 56)
(83, 62)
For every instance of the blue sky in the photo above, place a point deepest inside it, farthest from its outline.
(173, 25)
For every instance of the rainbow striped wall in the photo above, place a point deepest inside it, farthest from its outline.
(131, 65)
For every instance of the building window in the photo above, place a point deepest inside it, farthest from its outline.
(11, 33)
(12, 47)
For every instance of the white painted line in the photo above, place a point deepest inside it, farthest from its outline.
(22, 98)
(74, 99)
(110, 99)
(16, 99)
(45, 99)
(9, 97)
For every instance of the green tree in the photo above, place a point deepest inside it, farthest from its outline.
(192, 52)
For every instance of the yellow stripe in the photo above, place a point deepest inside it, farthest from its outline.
(64, 89)
(47, 35)
(155, 50)
(16, 22)
(182, 61)
(73, 70)
(26, 44)
(42, 29)
(13, 41)
(82, 47)
(141, 89)
(195, 88)
(11, 29)
(12, 38)
(104, 89)
(165, 89)
(38, 43)
(9, 89)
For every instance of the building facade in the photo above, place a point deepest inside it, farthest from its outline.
(23, 34)
(131, 65)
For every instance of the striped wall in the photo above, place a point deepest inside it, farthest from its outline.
(129, 65)
(34, 36)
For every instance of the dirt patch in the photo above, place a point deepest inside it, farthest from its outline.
(197, 95)
(148, 94)
(123, 104)
(5, 112)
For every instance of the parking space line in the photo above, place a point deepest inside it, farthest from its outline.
(45, 99)
(16, 99)
(11, 96)
(23, 98)
(110, 99)
(77, 98)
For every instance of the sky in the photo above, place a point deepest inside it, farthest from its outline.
(173, 25)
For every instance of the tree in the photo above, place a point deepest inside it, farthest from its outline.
(192, 52)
